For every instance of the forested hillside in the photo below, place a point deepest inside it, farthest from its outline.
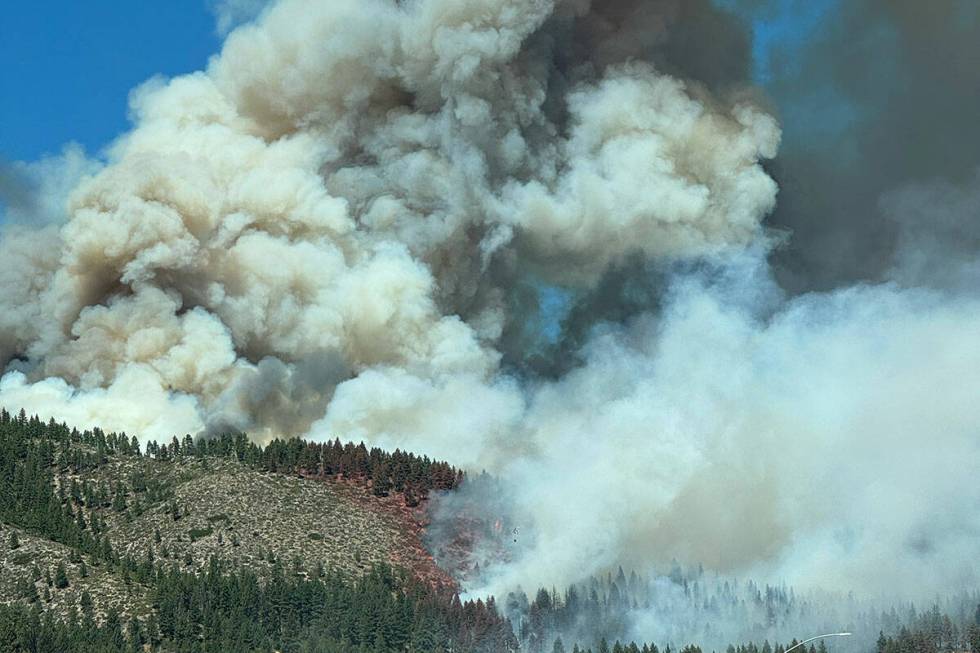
(222, 545)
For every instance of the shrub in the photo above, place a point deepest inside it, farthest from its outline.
(197, 533)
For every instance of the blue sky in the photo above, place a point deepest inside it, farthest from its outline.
(69, 66)
(785, 24)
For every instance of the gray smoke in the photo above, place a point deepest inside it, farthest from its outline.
(883, 94)
(343, 227)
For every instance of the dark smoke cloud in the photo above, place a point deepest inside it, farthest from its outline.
(882, 96)
(938, 233)
(886, 94)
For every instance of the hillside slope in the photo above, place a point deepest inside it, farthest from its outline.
(253, 519)
(110, 515)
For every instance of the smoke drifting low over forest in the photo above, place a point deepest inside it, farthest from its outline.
(545, 238)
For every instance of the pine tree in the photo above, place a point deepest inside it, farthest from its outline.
(14, 541)
(135, 635)
(113, 629)
(381, 479)
(61, 576)
(31, 595)
(85, 603)
(974, 632)
(119, 498)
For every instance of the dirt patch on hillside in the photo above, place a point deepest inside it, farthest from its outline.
(409, 551)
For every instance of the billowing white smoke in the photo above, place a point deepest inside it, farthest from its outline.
(337, 186)
(321, 233)
(831, 444)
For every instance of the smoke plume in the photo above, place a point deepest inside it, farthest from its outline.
(348, 224)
